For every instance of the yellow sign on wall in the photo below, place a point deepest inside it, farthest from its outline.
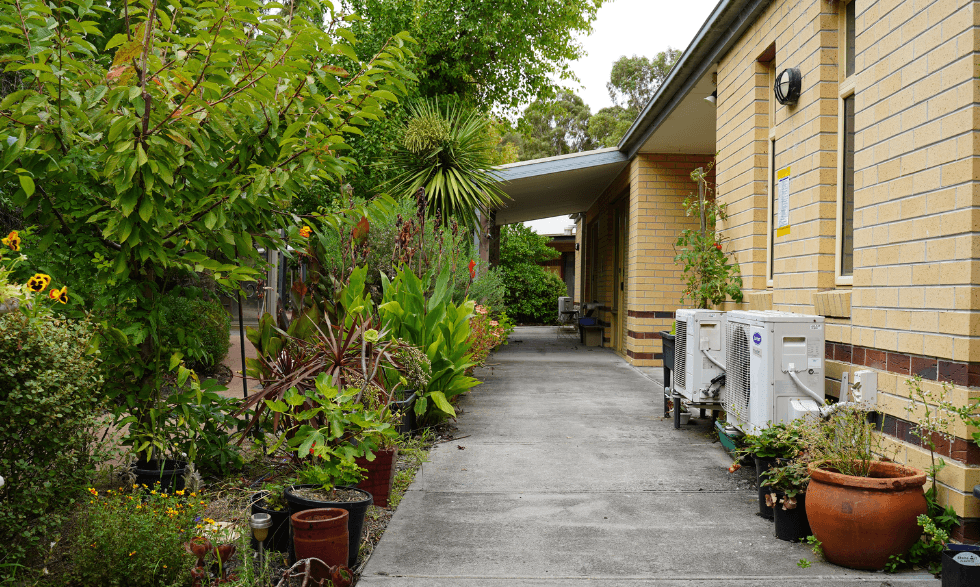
(782, 217)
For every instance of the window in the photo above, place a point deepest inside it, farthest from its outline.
(771, 162)
(844, 257)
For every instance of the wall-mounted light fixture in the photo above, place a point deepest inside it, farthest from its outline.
(787, 87)
(713, 97)
(576, 248)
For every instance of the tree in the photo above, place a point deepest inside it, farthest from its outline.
(532, 292)
(448, 150)
(176, 145)
(608, 126)
(558, 126)
(493, 54)
(634, 80)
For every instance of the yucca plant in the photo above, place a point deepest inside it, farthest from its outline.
(446, 148)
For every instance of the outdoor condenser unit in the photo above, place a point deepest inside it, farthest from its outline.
(772, 358)
(564, 304)
(699, 349)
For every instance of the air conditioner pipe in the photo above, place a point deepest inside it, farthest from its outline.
(713, 360)
(804, 388)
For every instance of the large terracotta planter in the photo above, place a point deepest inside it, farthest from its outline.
(862, 521)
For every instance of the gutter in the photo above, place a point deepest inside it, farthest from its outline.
(724, 27)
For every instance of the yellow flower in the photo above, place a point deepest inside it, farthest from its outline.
(39, 282)
(305, 232)
(12, 241)
(93, 491)
(179, 492)
(59, 294)
(132, 553)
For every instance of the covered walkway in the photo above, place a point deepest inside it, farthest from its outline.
(563, 473)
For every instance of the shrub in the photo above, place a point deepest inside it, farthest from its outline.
(532, 292)
(487, 290)
(487, 333)
(135, 539)
(196, 326)
(49, 398)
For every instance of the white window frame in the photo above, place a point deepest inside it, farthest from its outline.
(846, 89)
(771, 171)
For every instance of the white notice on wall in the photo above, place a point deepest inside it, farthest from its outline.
(782, 217)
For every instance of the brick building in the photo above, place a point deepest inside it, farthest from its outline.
(879, 157)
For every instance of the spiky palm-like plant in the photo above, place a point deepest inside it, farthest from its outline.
(446, 149)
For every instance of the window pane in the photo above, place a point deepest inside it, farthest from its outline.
(847, 201)
(773, 206)
(849, 38)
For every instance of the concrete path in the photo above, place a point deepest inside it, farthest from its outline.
(563, 473)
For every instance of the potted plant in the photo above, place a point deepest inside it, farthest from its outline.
(785, 485)
(269, 500)
(333, 428)
(779, 441)
(862, 510)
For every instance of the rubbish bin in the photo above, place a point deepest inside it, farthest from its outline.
(667, 341)
(961, 565)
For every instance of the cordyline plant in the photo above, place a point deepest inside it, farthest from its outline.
(711, 276)
(177, 142)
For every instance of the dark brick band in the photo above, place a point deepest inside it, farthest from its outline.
(929, 368)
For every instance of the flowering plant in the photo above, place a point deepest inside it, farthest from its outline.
(487, 333)
(711, 277)
(138, 534)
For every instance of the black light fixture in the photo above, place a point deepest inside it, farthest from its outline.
(576, 248)
(787, 87)
(713, 97)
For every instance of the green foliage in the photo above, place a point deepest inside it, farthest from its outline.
(555, 126)
(445, 148)
(328, 421)
(608, 126)
(49, 402)
(845, 441)
(634, 80)
(711, 278)
(488, 289)
(176, 143)
(437, 325)
(198, 328)
(216, 424)
(780, 441)
(134, 540)
(492, 54)
(532, 292)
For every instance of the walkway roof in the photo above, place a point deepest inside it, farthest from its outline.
(677, 119)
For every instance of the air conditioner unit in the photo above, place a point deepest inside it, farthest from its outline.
(772, 358)
(699, 349)
(564, 304)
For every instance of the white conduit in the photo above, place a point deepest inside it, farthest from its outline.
(808, 391)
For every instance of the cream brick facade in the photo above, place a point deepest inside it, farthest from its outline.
(912, 305)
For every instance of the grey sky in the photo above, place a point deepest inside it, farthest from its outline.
(628, 27)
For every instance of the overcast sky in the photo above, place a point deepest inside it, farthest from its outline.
(628, 27)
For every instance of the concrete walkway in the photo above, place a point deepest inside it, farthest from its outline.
(563, 473)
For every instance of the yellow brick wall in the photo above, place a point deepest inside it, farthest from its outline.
(916, 222)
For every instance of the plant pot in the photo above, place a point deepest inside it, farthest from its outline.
(862, 521)
(321, 533)
(667, 343)
(278, 538)
(961, 565)
(356, 510)
(380, 475)
(169, 474)
(763, 464)
(406, 408)
(685, 418)
(792, 524)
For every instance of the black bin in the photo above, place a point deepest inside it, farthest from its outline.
(961, 565)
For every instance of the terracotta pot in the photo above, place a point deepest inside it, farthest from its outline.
(862, 521)
(355, 523)
(380, 475)
(321, 533)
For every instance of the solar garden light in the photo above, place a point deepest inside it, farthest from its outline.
(260, 524)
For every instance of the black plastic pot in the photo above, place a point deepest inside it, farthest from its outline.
(961, 565)
(169, 474)
(406, 408)
(791, 525)
(763, 464)
(355, 522)
(278, 538)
